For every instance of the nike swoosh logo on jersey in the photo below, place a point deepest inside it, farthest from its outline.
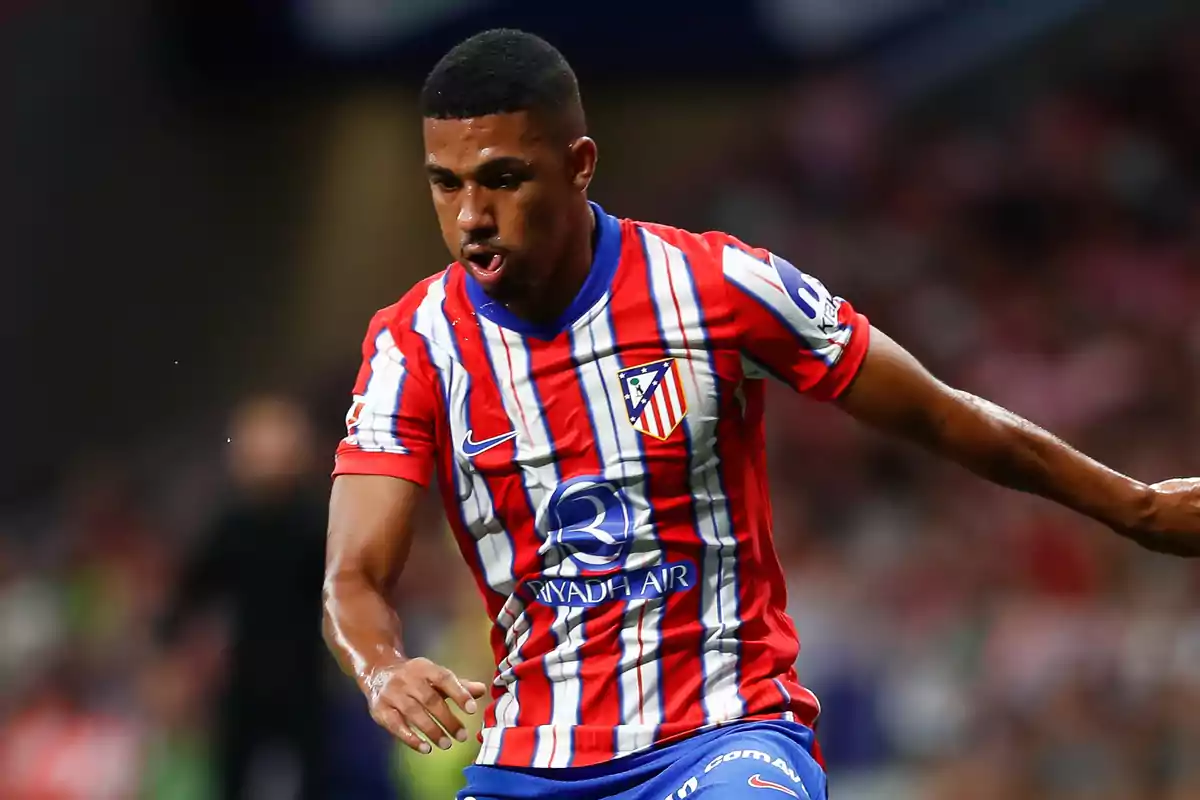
(471, 449)
(758, 783)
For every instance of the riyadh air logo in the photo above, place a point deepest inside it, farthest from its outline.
(473, 448)
(591, 522)
(758, 782)
(654, 399)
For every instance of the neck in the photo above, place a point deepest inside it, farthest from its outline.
(547, 302)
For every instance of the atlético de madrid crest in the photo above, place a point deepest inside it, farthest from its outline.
(655, 402)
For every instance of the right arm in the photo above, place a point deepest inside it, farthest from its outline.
(382, 465)
(370, 533)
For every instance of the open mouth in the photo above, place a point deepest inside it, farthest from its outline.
(487, 262)
(485, 265)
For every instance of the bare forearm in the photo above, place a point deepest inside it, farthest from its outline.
(895, 393)
(361, 628)
(370, 532)
(369, 536)
(1010, 451)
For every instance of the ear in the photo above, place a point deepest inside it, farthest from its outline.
(582, 162)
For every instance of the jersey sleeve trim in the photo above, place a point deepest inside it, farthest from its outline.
(364, 462)
(841, 375)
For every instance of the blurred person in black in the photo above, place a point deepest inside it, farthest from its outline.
(262, 559)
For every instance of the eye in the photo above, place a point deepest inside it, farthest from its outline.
(445, 183)
(504, 181)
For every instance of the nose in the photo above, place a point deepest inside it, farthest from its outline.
(475, 212)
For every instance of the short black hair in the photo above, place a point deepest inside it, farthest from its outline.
(502, 71)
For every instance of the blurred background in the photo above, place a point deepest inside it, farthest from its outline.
(202, 202)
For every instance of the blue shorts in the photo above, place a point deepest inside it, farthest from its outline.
(741, 761)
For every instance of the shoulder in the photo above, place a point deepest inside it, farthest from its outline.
(706, 252)
(398, 319)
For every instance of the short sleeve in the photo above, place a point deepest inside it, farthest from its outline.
(391, 424)
(790, 326)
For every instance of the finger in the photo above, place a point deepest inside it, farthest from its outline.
(448, 684)
(476, 688)
(417, 718)
(393, 723)
(437, 708)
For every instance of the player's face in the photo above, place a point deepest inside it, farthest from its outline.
(501, 186)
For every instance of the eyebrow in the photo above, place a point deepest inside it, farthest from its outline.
(492, 165)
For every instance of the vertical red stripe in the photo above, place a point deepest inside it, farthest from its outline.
(769, 644)
(669, 492)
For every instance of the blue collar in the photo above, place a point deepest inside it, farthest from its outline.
(604, 266)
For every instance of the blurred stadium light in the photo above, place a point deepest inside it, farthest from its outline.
(340, 26)
(768, 39)
(824, 25)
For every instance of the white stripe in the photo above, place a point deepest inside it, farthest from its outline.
(619, 447)
(376, 429)
(718, 576)
(489, 750)
(761, 281)
(492, 542)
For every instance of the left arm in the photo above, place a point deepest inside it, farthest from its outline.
(894, 393)
(790, 326)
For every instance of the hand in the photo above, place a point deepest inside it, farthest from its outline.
(411, 696)
(1173, 525)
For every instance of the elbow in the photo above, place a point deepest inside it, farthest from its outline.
(338, 593)
(337, 590)
(346, 586)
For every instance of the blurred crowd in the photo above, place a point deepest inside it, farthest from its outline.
(965, 641)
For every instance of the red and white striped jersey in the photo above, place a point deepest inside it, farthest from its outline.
(605, 480)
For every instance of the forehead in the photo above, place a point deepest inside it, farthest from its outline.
(457, 144)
